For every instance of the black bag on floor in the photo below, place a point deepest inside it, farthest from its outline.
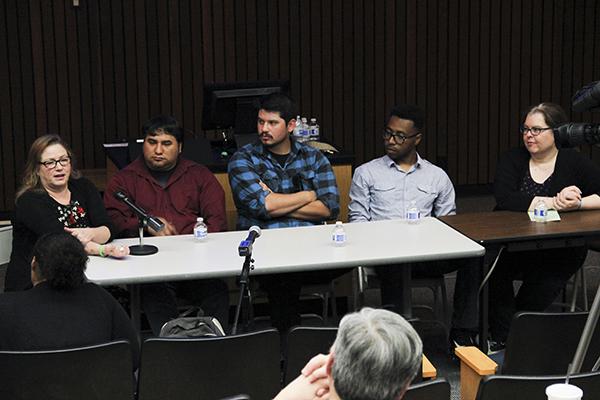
(192, 327)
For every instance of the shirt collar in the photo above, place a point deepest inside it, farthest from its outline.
(295, 148)
(390, 163)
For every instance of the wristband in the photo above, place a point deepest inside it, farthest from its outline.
(580, 204)
(101, 251)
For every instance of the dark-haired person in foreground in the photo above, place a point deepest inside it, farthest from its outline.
(385, 187)
(62, 310)
(375, 356)
(54, 197)
(177, 191)
(564, 180)
(277, 182)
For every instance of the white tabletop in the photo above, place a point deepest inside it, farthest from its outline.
(285, 250)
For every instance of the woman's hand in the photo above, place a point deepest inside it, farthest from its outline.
(567, 199)
(116, 250)
(84, 235)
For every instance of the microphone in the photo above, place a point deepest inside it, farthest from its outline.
(573, 134)
(587, 98)
(245, 247)
(151, 221)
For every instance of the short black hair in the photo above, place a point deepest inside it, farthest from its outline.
(61, 260)
(281, 103)
(409, 112)
(163, 123)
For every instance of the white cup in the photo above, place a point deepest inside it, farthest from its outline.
(563, 391)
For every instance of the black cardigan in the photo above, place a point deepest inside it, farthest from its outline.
(35, 215)
(571, 168)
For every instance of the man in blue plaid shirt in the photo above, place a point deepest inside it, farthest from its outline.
(276, 183)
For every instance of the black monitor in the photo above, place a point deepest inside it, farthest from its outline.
(234, 105)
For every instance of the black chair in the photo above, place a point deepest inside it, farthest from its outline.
(97, 372)
(211, 368)
(502, 387)
(545, 343)
(303, 343)
(437, 389)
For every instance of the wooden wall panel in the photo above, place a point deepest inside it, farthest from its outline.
(96, 72)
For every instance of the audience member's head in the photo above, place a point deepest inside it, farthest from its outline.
(376, 355)
(60, 260)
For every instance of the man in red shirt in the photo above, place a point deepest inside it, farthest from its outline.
(176, 191)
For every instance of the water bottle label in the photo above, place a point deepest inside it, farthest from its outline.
(200, 233)
(412, 215)
(339, 237)
(539, 212)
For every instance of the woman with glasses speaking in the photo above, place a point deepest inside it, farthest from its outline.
(537, 172)
(53, 198)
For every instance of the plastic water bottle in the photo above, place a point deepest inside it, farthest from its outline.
(200, 230)
(413, 215)
(298, 129)
(314, 129)
(540, 212)
(305, 130)
(339, 234)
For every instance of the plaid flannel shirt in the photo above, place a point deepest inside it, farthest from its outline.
(305, 169)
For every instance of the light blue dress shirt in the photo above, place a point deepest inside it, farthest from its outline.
(381, 190)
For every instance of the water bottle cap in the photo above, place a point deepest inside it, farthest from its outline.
(338, 222)
(200, 219)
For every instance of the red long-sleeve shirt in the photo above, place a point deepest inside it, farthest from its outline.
(192, 191)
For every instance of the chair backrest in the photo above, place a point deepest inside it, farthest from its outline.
(211, 368)
(303, 343)
(502, 387)
(545, 343)
(93, 373)
(437, 389)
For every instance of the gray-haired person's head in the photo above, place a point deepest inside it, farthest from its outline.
(376, 355)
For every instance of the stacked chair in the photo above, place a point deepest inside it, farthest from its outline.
(539, 348)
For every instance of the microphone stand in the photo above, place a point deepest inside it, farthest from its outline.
(244, 296)
(142, 249)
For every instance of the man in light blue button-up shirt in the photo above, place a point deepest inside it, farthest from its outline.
(386, 187)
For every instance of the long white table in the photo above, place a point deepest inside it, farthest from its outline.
(285, 250)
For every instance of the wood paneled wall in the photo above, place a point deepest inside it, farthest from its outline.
(95, 72)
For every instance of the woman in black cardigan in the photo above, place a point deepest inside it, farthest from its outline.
(53, 198)
(565, 181)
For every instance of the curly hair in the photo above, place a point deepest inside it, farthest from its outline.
(60, 260)
(31, 179)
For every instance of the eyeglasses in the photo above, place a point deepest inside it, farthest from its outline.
(399, 137)
(535, 131)
(51, 164)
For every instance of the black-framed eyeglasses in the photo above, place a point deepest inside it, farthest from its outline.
(51, 164)
(399, 137)
(535, 131)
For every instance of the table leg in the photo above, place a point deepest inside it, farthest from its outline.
(406, 290)
(483, 307)
(134, 306)
(484, 293)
